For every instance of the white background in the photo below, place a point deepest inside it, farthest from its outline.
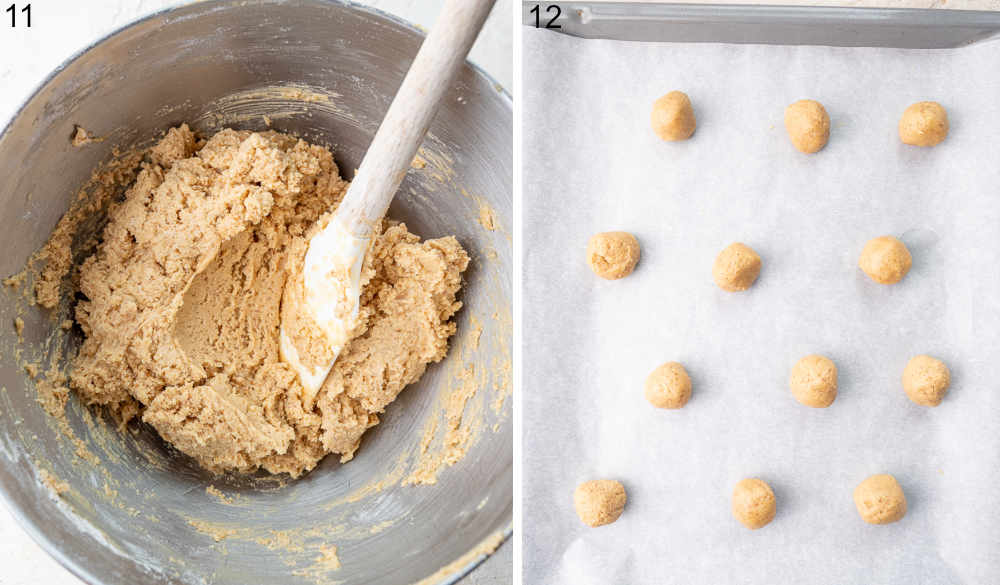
(60, 29)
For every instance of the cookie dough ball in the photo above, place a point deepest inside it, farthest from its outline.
(923, 124)
(814, 381)
(599, 502)
(880, 500)
(885, 260)
(808, 125)
(926, 380)
(668, 386)
(753, 503)
(612, 255)
(673, 117)
(736, 268)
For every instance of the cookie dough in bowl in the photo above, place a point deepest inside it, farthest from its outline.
(183, 346)
(181, 304)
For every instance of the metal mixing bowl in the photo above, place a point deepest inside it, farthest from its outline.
(143, 514)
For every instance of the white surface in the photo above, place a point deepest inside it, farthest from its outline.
(60, 29)
(593, 164)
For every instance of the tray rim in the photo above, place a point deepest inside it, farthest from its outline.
(967, 26)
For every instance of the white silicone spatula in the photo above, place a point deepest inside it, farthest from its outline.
(332, 269)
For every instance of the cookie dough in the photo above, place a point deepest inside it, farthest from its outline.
(736, 268)
(808, 125)
(880, 499)
(753, 503)
(923, 124)
(182, 297)
(814, 381)
(612, 255)
(668, 386)
(885, 260)
(672, 117)
(599, 502)
(926, 380)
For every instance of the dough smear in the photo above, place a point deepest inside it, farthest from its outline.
(182, 302)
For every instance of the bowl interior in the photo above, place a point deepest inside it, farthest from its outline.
(141, 512)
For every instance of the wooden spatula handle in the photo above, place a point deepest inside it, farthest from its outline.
(396, 142)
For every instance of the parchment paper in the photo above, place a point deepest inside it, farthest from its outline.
(592, 163)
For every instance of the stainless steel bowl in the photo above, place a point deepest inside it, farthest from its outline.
(143, 514)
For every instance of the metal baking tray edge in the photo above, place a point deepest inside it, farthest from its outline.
(774, 25)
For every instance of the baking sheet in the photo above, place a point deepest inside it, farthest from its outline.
(591, 163)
